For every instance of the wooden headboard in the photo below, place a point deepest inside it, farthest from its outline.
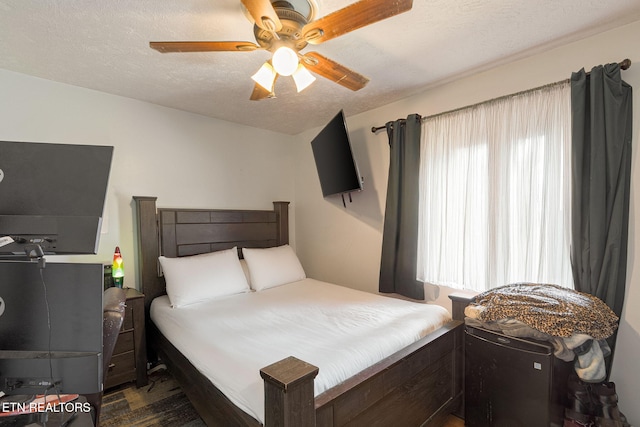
(181, 232)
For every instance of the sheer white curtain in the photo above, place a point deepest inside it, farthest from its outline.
(494, 196)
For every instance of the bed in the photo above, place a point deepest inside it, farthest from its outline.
(420, 383)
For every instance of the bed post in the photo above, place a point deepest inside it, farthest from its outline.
(458, 303)
(282, 218)
(147, 249)
(289, 396)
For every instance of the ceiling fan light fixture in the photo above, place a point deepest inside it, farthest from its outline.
(265, 76)
(285, 28)
(285, 61)
(303, 78)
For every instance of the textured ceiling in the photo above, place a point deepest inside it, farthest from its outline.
(104, 45)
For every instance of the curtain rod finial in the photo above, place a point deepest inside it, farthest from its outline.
(625, 64)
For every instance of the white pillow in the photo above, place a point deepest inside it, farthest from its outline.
(198, 278)
(273, 266)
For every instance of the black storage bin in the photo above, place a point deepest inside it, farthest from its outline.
(512, 382)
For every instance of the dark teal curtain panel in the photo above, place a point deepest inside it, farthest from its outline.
(601, 104)
(400, 234)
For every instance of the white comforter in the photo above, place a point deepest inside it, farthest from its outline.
(340, 330)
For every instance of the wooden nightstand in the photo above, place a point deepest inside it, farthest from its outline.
(129, 360)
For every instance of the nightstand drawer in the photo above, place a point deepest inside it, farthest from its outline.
(124, 343)
(121, 363)
(121, 369)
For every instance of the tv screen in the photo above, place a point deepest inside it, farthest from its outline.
(52, 195)
(50, 328)
(336, 166)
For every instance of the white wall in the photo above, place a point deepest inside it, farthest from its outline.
(343, 245)
(186, 160)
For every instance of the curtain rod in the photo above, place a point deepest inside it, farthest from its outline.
(624, 65)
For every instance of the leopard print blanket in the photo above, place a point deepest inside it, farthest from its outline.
(550, 309)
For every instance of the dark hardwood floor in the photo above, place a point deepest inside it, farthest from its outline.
(454, 422)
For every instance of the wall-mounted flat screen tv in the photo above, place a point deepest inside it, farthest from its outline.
(52, 195)
(337, 168)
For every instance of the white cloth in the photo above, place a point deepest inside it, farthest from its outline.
(495, 192)
(340, 330)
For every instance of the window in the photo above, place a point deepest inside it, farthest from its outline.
(494, 202)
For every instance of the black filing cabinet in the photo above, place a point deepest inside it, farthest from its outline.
(512, 382)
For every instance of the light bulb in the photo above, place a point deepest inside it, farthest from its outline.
(285, 61)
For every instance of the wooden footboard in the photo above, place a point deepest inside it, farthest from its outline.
(419, 385)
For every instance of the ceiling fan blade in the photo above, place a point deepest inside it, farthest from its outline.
(331, 70)
(166, 47)
(263, 14)
(352, 17)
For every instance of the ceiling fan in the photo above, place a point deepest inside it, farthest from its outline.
(284, 28)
